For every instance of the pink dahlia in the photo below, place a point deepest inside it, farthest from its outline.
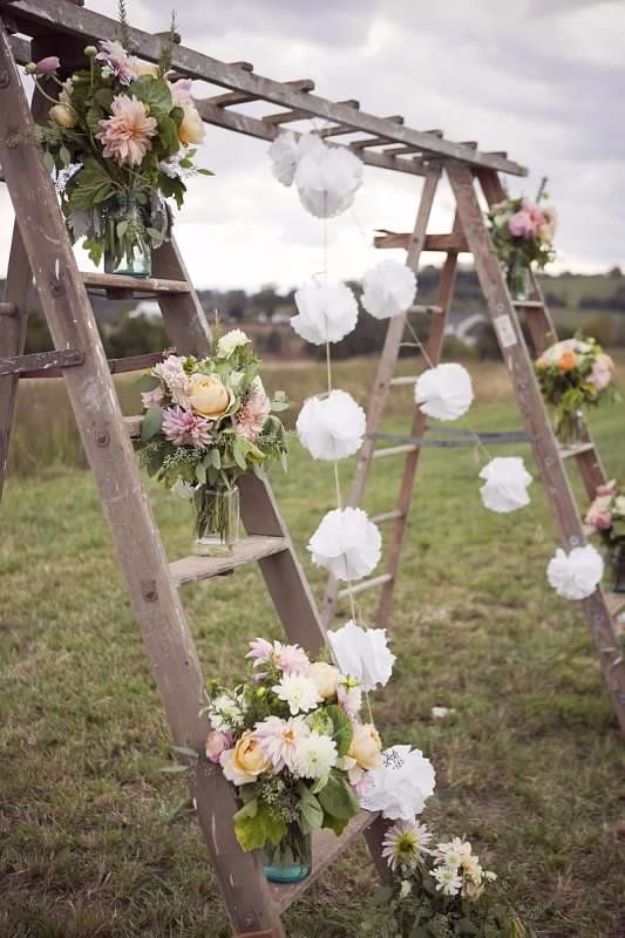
(116, 61)
(182, 428)
(260, 650)
(125, 135)
(251, 417)
(278, 739)
(602, 371)
(522, 225)
(173, 375)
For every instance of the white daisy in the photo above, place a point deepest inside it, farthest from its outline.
(299, 692)
(316, 755)
(447, 880)
(405, 844)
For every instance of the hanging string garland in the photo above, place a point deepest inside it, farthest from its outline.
(327, 311)
(444, 392)
(389, 289)
(505, 484)
(346, 543)
(575, 575)
(333, 427)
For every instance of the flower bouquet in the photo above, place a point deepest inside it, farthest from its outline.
(573, 374)
(290, 738)
(119, 140)
(606, 516)
(522, 233)
(207, 421)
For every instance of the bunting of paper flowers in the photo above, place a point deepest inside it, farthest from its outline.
(444, 392)
(389, 289)
(505, 484)
(327, 178)
(577, 574)
(331, 427)
(327, 311)
(400, 787)
(346, 543)
(362, 654)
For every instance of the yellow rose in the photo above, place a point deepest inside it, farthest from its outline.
(191, 128)
(248, 757)
(325, 677)
(208, 396)
(366, 746)
(145, 68)
(63, 116)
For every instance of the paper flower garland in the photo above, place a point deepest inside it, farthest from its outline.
(400, 787)
(363, 654)
(327, 179)
(444, 392)
(346, 543)
(286, 151)
(389, 289)
(331, 427)
(575, 575)
(327, 312)
(505, 484)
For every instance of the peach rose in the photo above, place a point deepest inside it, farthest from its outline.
(602, 371)
(191, 129)
(144, 68)
(63, 115)
(325, 677)
(366, 746)
(567, 360)
(245, 762)
(208, 396)
(216, 743)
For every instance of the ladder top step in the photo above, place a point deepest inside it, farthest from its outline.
(249, 550)
(370, 584)
(327, 847)
(576, 449)
(141, 285)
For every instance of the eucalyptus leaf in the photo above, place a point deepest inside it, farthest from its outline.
(146, 382)
(65, 156)
(48, 161)
(174, 769)
(185, 751)
(151, 423)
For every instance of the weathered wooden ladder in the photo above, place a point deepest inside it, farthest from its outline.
(471, 235)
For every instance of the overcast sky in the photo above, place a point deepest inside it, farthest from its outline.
(542, 79)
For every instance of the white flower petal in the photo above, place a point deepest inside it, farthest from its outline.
(389, 289)
(327, 312)
(362, 654)
(400, 787)
(283, 155)
(444, 392)
(327, 179)
(575, 575)
(346, 543)
(505, 484)
(333, 427)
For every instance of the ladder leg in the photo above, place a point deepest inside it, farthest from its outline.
(530, 401)
(12, 339)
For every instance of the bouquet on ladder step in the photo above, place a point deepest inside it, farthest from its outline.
(522, 232)
(574, 374)
(207, 421)
(606, 516)
(119, 141)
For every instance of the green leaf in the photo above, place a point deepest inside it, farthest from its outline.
(104, 97)
(64, 156)
(168, 136)
(146, 382)
(151, 423)
(155, 235)
(336, 824)
(92, 186)
(337, 799)
(383, 896)
(177, 114)
(200, 473)
(239, 452)
(122, 228)
(48, 161)
(343, 732)
(174, 769)
(155, 93)
(205, 172)
(253, 830)
(185, 751)
(310, 810)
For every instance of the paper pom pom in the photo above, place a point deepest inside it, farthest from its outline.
(389, 289)
(327, 179)
(331, 428)
(346, 543)
(400, 787)
(444, 392)
(363, 654)
(505, 484)
(575, 575)
(327, 312)
(283, 155)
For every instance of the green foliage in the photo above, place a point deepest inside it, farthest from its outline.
(255, 825)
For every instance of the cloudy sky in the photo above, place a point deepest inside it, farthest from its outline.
(542, 79)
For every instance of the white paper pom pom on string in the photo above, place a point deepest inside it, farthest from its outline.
(327, 179)
(346, 543)
(505, 484)
(327, 312)
(444, 392)
(400, 787)
(283, 154)
(332, 427)
(389, 289)
(363, 654)
(575, 575)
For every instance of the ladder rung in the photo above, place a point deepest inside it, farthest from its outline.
(403, 380)
(431, 242)
(40, 362)
(327, 847)
(394, 450)
(249, 550)
(366, 585)
(432, 310)
(576, 449)
(114, 283)
(528, 304)
(388, 516)
(8, 309)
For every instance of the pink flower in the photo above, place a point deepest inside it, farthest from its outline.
(609, 488)
(173, 375)
(260, 650)
(291, 659)
(602, 372)
(125, 135)
(182, 428)
(116, 61)
(216, 743)
(349, 696)
(152, 398)
(599, 514)
(48, 65)
(181, 92)
(251, 417)
(521, 225)
(278, 740)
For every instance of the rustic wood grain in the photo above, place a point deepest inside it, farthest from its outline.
(144, 286)
(249, 550)
(40, 362)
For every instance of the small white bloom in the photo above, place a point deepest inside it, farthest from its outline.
(183, 489)
(400, 787)
(315, 755)
(327, 312)
(225, 713)
(405, 844)
(575, 575)
(346, 543)
(299, 692)
(505, 484)
(363, 654)
(332, 427)
(327, 179)
(444, 392)
(447, 880)
(231, 340)
(389, 289)
(405, 889)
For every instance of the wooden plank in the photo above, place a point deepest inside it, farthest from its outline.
(116, 366)
(389, 451)
(528, 304)
(239, 97)
(403, 381)
(575, 449)
(386, 516)
(184, 318)
(41, 361)
(144, 286)
(90, 25)
(433, 242)
(250, 549)
(287, 117)
(372, 583)
(8, 309)
(327, 847)
(615, 602)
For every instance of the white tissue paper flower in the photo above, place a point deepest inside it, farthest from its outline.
(400, 787)
(327, 179)
(362, 654)
(283, 155)
(505, 484)
(346, 543)
(389, 289)
(575, 575)
(332, 427)
(327, 312)
(444, 392)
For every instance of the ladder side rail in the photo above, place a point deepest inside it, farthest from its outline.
(518, 364)
(185, 321)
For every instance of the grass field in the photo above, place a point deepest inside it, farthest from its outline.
(96, 841)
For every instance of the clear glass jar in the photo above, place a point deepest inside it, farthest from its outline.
(217, 520)
(126, 243)
(518, 277)
(291, 860)
(571, 427)
(615, 558)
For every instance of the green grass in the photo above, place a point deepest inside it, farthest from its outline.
(96, 841)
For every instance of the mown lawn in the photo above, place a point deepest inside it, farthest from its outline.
(96, 841)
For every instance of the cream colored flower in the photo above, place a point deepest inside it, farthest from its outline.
(366, 746)
(245, 762)
(191, 129)
(230, 341)
(208, 396)
(144, 68)
(325, 677)
(63, 115)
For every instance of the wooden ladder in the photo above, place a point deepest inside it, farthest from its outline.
(41, 250)
(470, 234)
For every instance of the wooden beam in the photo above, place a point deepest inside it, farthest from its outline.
(432, 242)
(238, 97)
(341, 129)
(286, 117)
